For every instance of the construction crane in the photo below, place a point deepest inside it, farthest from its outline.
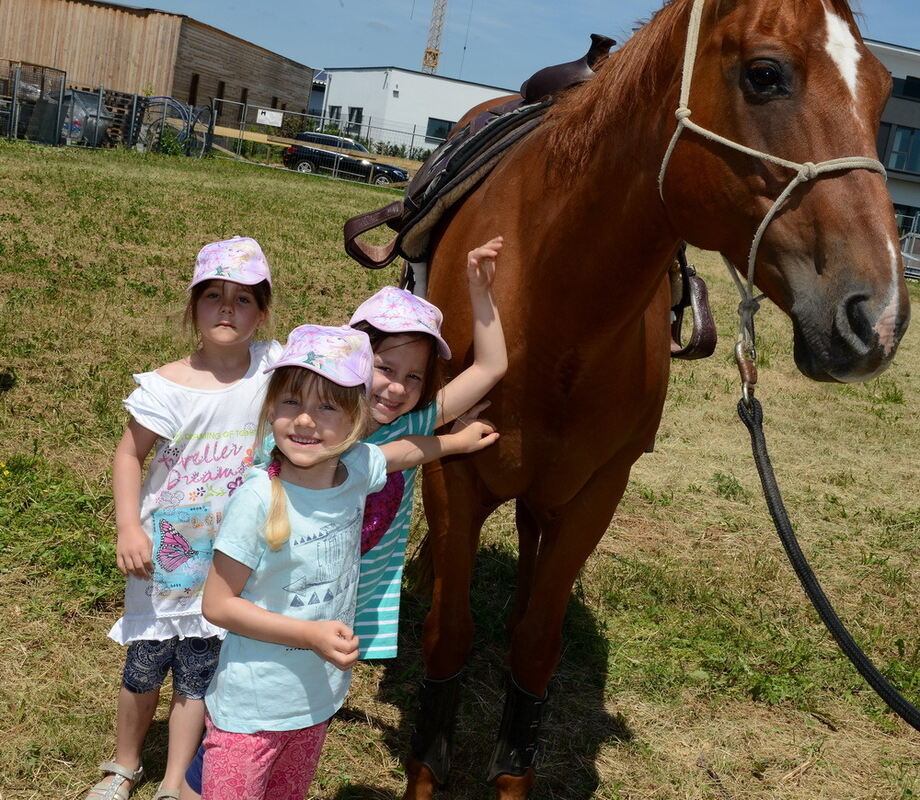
(433, 48)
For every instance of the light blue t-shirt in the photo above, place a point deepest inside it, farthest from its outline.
(380, 583)
(261, 686)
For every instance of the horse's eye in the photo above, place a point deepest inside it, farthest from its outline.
(765, 79)
(764, 74)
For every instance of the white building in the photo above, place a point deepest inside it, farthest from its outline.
(399, 106)
(899, 133)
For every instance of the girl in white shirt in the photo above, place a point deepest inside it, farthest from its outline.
(198, 415)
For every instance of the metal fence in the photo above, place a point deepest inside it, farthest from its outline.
(262, 135)
(909, 229)
(167, 125)
(31, 101)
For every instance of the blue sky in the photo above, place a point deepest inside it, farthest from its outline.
(496, 42)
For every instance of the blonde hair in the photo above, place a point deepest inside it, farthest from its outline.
(299, 381)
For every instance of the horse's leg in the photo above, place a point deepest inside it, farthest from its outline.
(528, 528)
(455, 512)
(568, 535)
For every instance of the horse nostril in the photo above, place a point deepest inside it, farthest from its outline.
(856, 309)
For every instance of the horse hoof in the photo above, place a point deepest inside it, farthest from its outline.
(513, 787)
(421, 783)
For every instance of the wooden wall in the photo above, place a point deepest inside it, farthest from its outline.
(144, 51)
(217, 56)
(97, 44)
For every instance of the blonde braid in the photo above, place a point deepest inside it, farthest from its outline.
(277, 525)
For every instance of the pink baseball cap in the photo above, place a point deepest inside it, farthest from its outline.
(239, 260)
(343, 355)
(397, 311)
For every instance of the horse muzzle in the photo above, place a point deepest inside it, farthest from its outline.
(852, 341)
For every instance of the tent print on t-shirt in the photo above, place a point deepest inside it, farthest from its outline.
(336, 598)
(328, 570)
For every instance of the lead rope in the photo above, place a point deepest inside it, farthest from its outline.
(749, 408)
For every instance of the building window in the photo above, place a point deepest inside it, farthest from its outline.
(438, 129)
(908, 87)
(193, 90)
(274, 102)
(355, 115)
(396, 93)
(218, 105)
(905, 150)
(335, 114)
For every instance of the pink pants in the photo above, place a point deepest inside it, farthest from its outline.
(275, 765)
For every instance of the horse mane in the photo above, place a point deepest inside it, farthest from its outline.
(621, 88)
(626, 80)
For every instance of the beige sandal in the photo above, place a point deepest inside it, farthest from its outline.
(166, 794)
(112, 786)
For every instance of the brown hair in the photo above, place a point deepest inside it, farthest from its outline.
(434, 378)
(297, 381)
(262, 292)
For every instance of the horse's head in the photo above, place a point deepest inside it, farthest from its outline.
(793, 80)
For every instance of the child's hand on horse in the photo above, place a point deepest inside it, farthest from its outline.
(467, 417)
(471, 436)
(333, 641)
(480, 262)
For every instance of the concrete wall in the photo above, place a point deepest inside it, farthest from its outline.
(900, 61)
(403, 99)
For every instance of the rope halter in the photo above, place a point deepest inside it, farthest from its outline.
(804, 172)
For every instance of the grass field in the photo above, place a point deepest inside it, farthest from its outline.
(694, 667)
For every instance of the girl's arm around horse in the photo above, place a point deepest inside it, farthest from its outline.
(411, 451)
(490, 356)
(133, 548)
(222, 605)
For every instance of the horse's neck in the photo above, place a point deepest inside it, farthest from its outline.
(608, 228)
(612, 221)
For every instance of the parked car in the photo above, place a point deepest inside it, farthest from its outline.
(304, 158)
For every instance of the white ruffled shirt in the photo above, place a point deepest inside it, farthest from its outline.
(205, 446)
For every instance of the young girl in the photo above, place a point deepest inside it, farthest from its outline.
(200, 415)
(407, 398)
(285, 567)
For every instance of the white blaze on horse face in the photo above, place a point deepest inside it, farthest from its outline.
(843, 50)
(885, 326)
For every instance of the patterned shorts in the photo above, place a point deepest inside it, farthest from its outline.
(192, 660)
(274, 765)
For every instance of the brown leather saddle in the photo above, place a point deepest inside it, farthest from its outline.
(460, 163)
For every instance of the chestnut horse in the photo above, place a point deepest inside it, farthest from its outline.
(593, 205)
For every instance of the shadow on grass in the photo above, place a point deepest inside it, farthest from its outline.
(7, 380)
(576, 724)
